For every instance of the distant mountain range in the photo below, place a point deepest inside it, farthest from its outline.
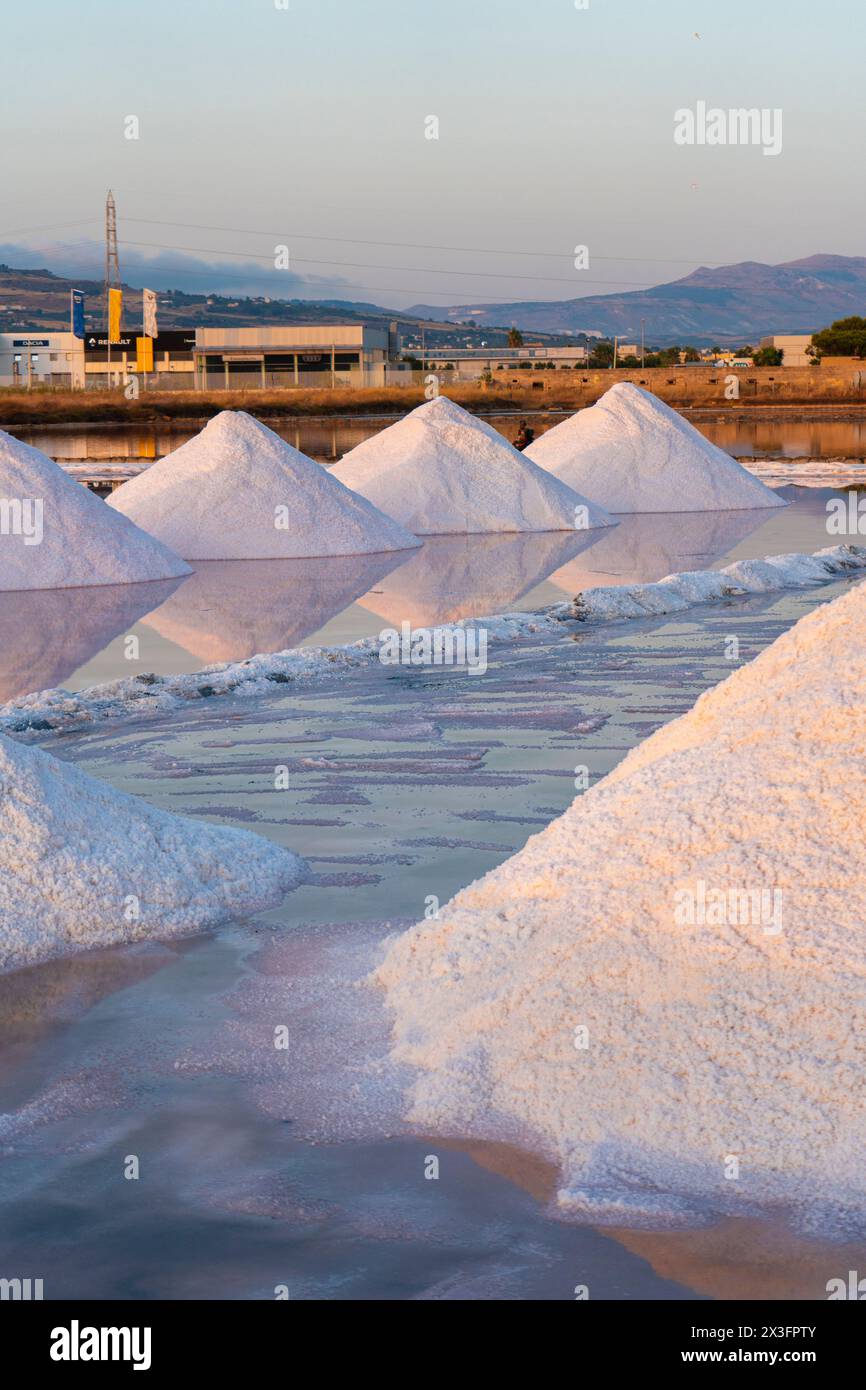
(728, 304)
(732, 303)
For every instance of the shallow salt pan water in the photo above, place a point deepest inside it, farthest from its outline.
(230, 610)
(261, 1167)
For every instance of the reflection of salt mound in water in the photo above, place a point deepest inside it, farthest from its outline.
(617, 995)
(239, 492)
(634, 454)
(233, 609)
(45, 635)
(56, 534)
(455, 577)
(83, 865)
(442, 471)
(644, 548)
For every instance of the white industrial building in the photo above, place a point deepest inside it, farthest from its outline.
(468, 364)
(794, 348)
(37, 358)
(327, 354)
(302, 355)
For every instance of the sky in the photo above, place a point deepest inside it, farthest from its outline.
(306, 127)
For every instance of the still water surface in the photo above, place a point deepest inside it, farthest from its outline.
(329, 439)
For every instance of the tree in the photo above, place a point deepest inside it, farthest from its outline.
(844, 338)
(768, 357)
(601, 355)
(668, 357)
(515, 337)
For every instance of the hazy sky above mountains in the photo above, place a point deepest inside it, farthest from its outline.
(306, 127)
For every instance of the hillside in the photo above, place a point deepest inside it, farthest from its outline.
(734, 303)
(33, 299)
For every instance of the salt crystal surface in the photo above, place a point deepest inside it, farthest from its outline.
(633, 453)
(84, 865)
(677, 592)
(239, 492)
(440, 470)
(56, 534)
(710, 1036)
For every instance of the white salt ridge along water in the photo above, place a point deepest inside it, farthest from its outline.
(237, 491)
(634, 454)
(83, 865)
(145, 695)
(710, 1034)
(442, 471)
(677, 592)
(812, 473)
(56, 534)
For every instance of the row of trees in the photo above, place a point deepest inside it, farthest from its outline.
(602, 356)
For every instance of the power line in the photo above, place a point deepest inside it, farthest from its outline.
(353, 288)
(49, 227)
(413, 245)
(366, 265)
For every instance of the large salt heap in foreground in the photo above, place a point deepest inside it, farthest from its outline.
(442, 471)
(56, 534)
(634, 454)
(237, 491)
(83, 865)
(662, 990)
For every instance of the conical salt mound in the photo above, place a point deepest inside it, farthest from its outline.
(635, 454)
(239, 492)
(441, 471)
(83, 865)
(658, 990)
(56, 534)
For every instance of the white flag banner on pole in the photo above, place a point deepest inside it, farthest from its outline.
(150, 328)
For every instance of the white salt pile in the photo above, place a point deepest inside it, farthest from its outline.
(635, 454)
(56, 534)
(239, 492)
(660, 991)
(83, 865)
(442, 471)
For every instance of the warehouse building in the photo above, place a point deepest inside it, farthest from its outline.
(165, 361)
(37, 358)
(794, 346)
(468, 364)
(299, 355)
